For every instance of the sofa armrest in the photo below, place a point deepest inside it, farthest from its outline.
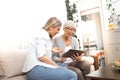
(96, 62)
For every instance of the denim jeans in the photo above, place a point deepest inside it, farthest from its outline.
(62, 64)
(46, 73)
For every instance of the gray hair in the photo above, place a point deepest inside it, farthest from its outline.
(54, 21)
(70, 23)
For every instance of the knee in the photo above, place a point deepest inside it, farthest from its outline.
(73, 74)
(77, 71)
(70, 76)
(86, 63)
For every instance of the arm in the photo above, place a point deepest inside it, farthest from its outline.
(75, 45)
(56, 51)
(76, 57)
(43, 50)
(45, 59)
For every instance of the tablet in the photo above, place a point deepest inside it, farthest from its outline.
(70, 52)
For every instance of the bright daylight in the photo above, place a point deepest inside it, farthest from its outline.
(59, 40)
(20, 19)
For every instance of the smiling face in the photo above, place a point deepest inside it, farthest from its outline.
(69, 28)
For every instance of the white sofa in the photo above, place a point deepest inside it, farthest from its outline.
(11, 64)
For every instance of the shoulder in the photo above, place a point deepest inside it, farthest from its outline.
(57, 38)
(74, 39)
(41, 35)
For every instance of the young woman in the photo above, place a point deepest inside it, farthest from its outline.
(38, 64)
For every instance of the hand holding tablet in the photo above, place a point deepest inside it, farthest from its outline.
(70, 53)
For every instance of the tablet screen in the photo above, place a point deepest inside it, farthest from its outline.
(70, 52)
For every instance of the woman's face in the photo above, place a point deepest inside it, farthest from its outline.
(68, 31)
(54, 30)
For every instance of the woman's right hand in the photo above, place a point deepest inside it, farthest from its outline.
(56, 50)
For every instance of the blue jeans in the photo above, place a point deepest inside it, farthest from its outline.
(45, 73)
(62, 64)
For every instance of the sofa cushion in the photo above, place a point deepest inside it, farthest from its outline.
(20, 77)
(12, 62)
(88, 58)
(1, 72)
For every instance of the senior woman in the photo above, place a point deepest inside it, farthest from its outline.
(38, 64)
(66, 42)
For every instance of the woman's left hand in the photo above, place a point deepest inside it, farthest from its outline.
(76, 57)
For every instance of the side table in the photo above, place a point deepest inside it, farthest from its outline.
(105, 73)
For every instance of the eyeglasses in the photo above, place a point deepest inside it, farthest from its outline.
(70, 28)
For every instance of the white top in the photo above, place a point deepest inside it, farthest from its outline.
(39, 46)
(68, 60)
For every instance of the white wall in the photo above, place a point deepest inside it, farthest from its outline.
(87, 4)
(20, 19)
